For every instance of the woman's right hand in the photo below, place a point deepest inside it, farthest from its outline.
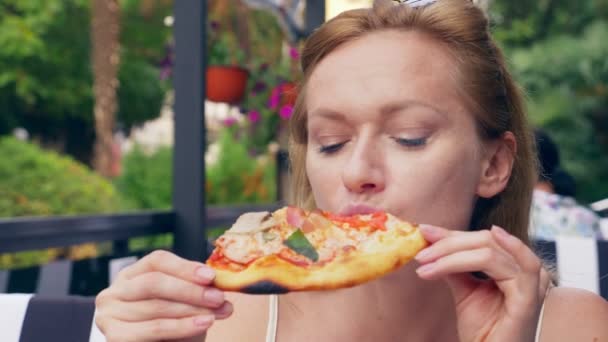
(161, 297)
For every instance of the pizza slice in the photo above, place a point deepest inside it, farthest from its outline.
(295, 250)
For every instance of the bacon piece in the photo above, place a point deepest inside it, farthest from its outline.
(308, 226)
(295, 217)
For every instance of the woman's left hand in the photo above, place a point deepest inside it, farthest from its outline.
(505, 307)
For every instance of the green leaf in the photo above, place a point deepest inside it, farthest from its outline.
(300, 244)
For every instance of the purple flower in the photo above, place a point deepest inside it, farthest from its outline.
(286, 111)
(275, 98)
(264, 67)
(294, 53)
(254, 116)
(258, 87)
(215, 25)
(228, 122)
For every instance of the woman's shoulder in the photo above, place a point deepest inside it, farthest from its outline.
(574, 315)
(247, 322)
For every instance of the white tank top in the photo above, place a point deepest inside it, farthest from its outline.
(273, 318)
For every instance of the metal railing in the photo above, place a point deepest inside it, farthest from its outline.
(20, 234)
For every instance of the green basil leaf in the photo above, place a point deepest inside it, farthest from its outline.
(300, 244)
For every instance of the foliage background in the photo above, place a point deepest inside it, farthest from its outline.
(557, 50)
(45, 69)
(37, 182)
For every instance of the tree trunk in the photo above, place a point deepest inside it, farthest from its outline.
(105, 27)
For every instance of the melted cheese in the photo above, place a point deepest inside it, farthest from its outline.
(252, 222)
(255, 235)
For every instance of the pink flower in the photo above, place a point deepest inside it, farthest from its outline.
(253, 116)
(294, 53)
(275, 98)
(228, 122)
(286, 111)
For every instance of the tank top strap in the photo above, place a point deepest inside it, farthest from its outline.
(273, 316)
(539, 325)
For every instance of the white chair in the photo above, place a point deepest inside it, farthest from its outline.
(34, 318)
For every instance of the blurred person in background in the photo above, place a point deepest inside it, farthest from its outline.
(554, 209)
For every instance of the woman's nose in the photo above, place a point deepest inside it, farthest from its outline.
(363, 171)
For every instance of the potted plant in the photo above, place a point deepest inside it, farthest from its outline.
(226, 78)
(288, 73)
(269, 100)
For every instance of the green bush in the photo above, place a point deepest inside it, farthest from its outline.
(235, 178)
(38, 182)
(238, 177)
(35, 182)
(146, 179)
(565, 78)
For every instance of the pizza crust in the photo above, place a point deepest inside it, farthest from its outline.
(271, 274)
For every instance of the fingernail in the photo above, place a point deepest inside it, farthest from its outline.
(213, 296)
(425, 269)
(424, 254)
(203, 321)
(504, 235)
(205, 273)
(501, 232)
(225, 309)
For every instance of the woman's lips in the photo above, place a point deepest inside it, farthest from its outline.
(358, 209)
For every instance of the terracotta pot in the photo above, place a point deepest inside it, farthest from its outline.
(226, 83)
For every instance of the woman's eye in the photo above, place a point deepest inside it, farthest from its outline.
(411, 142)
(328, 149)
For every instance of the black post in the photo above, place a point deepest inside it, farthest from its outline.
(189, 148)
(315, 14)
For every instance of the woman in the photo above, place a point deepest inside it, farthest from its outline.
(408, 109)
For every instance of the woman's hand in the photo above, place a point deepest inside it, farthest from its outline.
(161, 297)
(505, 307)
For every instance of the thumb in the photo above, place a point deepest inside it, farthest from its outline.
(462, 285)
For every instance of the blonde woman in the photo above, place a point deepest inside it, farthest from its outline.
(407, 108)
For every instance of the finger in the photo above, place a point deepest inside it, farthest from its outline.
(157, 285)
(155, 330)
(146, 310)
(462, 286)
(524, 256)
(224, 311)
(433, 234)
(456, 242)
(496, 264)
(519, 290)
(169, 263)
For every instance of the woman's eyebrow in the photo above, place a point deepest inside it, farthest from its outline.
(327, 113)
(392, 108)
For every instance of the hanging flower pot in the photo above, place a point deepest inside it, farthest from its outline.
(226, 83)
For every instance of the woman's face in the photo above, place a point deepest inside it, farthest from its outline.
(388, 130)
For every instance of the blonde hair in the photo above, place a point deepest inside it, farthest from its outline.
(463, 29)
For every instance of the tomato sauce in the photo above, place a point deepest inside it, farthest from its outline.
(377, 221)
(289, 255)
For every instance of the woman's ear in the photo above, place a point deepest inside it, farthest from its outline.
(496, 165)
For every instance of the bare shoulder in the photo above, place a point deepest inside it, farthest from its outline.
(247, 323)
(574, 315)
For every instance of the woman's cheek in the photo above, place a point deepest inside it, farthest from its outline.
(433, 190)
(324, 180)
